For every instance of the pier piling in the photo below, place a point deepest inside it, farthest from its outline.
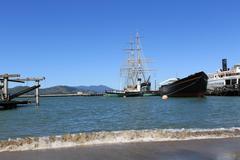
(37, 83)
(37, 93)
(6, 100)
(5, 79)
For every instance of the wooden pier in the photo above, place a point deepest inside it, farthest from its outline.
(230, 90)
(7, 101)
(12, 104)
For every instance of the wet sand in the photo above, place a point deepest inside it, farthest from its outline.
(208, 149)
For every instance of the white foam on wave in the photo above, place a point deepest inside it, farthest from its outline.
(129, 136)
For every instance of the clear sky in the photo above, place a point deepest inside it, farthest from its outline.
(77, 42)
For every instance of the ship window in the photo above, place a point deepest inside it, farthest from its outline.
(227, 82)
(234, 81)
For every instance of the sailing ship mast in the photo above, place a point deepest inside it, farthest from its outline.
(134, 72)
(140, 61)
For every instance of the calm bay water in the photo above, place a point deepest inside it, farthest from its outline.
(61, 115)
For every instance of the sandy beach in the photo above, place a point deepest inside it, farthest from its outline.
(207, 149)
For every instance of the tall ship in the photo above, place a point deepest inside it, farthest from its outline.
(134, 73)
(194, 85)
(225, 82)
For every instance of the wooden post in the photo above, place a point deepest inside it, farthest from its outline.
(5, 88)
(37, 94)
(5, 79)
(37, 83)
(155, 85)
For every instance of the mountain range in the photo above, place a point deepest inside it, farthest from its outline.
(61, 89)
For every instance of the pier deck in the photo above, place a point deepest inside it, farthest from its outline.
(225, 91)
(11, 104)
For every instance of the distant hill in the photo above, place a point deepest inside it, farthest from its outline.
(95, 89)
(61, 89)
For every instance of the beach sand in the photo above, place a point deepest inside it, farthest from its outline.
(206, 149)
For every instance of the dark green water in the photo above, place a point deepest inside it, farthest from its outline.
(57, 116)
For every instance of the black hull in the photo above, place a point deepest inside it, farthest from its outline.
(192, 86)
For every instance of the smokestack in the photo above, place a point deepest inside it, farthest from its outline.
(224, 65)
(139, 84)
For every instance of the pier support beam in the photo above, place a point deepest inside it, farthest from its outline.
(5, 88)
(37, 93)
(37, 82)
(5, 79)
(6, 100)
(1, 92)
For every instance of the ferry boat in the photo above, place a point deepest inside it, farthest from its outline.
(225, 82)
(136, 80)
(192, 86)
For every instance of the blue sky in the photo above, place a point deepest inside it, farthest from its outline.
(76, 42)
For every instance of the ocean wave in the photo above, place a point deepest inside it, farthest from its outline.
(94, 138)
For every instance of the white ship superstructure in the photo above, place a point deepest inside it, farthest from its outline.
(225, 77)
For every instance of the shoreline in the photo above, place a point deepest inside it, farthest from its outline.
(115, 137)
(64, 95)
(224, 148)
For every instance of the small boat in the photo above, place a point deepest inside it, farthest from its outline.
(192, 86)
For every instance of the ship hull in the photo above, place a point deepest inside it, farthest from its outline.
(123, 94)
(192, 86)
(114, 93)
(133, 94)
(151, 93)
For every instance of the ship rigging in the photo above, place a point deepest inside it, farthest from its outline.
(135, 72)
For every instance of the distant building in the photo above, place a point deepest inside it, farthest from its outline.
(80, 93)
